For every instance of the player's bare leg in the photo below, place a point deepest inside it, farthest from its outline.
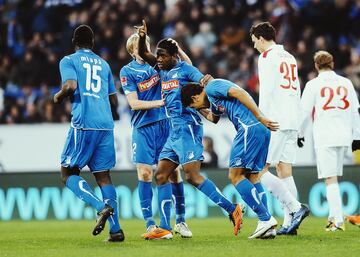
(176, 181)
(335, 219)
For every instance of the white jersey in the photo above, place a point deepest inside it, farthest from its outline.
(279, 95)
(335, 104)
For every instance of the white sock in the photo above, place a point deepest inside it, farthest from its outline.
(290, 184)
(334, 201)
(289, 203)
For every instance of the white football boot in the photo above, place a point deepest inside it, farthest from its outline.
(182, 229)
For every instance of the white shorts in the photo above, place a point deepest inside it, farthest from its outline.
(282, 148)
(330, 161)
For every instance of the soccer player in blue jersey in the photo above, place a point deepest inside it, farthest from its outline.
(250, 147)
(141, 84)
(184, 144)
(87, 78)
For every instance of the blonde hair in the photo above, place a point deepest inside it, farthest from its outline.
(132, 40)
(324, 60)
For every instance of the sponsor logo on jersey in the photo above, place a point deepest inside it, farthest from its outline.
(147, 84)
(123, 81)
(169, 85)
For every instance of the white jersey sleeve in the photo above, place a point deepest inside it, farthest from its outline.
(307, 104)
(354, 102)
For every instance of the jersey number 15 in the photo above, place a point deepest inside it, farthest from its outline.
(92, 75)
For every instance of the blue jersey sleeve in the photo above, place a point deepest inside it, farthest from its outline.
(193, 73)
(67, 69)
(127, 83)
(218, 88)
(112, 87)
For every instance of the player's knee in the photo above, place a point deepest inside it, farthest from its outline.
(194, 179)
(64, 178)
(235, 178)
(160, 178)
(145, 174)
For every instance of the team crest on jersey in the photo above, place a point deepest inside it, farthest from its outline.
(123, 81)
(169, 85)
(190, 155)
(147, 84)
(238, 162)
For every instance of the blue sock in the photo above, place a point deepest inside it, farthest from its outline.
(109, 197)
(145, 196)
(82, 190)
(210, 190)
(178, 193)
(262, 194)
(164, 196)
(251, 198)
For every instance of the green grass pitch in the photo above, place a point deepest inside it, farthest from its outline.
(212, 237)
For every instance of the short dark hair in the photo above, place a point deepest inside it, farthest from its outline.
(263, 29)
(169, 46)
(83, 37)
(188, 91)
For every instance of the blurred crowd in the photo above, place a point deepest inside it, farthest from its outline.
(36, 34)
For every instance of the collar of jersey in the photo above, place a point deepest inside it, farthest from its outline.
(326, 73)
(84, 50)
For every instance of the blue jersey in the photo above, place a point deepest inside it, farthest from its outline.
(144, 80)
(91, 106)
(217, 92)
(171, 83)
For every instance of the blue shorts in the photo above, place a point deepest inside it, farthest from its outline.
(184, 144)
(250, 148)
(94, 148)
(148, 141)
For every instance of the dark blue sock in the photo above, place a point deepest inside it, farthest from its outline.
(262, 194)
(211, 191)
(145, 196)
(178, 193)
(82, 190)
(251, 198)
(164, 196)
(109, 197)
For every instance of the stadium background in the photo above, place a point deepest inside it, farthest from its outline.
(36, 34)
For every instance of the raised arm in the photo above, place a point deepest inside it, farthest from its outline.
(67, 89)
(144, 53)
(249, 103)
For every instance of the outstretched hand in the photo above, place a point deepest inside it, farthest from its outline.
(272, 125)
(142, 30)
(173, 41)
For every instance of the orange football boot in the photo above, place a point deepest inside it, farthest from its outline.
(236, 218)
(354, 219)
(158, 233)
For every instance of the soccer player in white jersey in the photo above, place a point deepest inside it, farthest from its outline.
(279, 99)
(336, 125)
